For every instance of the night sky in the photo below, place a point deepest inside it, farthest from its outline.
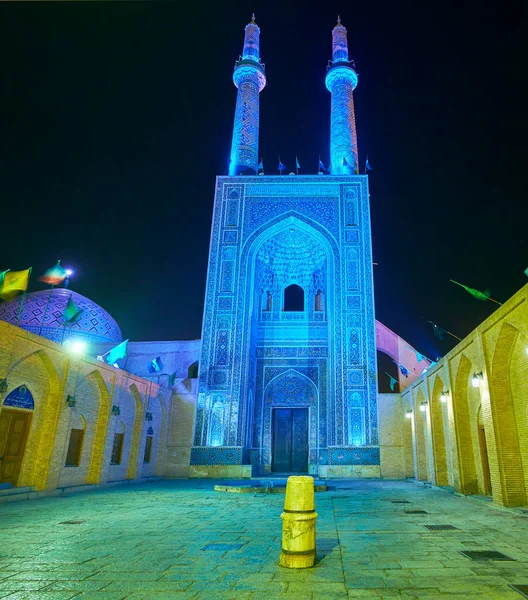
(116, 117)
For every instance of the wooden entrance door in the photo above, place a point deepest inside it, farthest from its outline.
(290, 440)
(14, 427)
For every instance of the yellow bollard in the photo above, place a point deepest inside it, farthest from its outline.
(298, 524)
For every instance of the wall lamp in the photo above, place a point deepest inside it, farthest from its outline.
(423, 406)
(408, 414)
(71, 401)
(116, 410)
(476, 379)
(443, 397)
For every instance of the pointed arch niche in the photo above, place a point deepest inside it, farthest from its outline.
(292, 254)
(290, 273)
(508, 410)
(438, 434)
(290, 389)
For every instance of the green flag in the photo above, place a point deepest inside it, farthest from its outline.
(72, 313)
(475, 293)
(117, 353)
(172, 379)
(393, 381)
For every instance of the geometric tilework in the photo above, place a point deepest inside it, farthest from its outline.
(217, 455)
(94, 325)
(351, 456)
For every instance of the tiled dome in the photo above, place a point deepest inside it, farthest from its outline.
(94, 325)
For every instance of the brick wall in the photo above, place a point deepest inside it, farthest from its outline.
(51, 373)
(498, 349)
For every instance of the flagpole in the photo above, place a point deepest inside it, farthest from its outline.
(467, 290)
(23, 298)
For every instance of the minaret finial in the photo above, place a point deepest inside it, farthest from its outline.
(252, 17)
(338, 20)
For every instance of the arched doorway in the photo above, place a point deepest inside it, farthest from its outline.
(468, 483)
(15, 419)
(291, 422)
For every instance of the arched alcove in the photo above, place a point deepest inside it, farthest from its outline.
(162, 444)
(136, 434)
(437, 429)
(465, 450)
(37, 372)
(483, 451)
(422, 471)
(101, 427)
(512, 490)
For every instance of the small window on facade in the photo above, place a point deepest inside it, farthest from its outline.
(117, 448)
(73, 456)
(148, 449)
(319, 300)
(294, 298)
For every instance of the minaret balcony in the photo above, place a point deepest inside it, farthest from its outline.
(339, 73)
(246, 69)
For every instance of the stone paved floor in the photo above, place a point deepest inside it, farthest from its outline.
(146, 542)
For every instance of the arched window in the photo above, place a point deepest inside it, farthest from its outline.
(294, 298)
(318, 304)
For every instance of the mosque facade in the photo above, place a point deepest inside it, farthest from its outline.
(288, 361)
(284, 378)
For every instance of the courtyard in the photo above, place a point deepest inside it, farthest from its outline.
(182, 540)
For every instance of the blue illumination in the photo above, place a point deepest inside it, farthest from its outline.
(270, 233)
(289, 307)
(341, 80)
(250, 80)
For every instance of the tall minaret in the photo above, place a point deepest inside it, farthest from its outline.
(341, 80)
(250, 80)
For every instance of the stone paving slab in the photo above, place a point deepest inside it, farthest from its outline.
(147, 542)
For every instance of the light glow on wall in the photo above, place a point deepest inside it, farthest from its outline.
(76, 346)
(476, 379)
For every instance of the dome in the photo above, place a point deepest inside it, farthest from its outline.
(94, 324)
